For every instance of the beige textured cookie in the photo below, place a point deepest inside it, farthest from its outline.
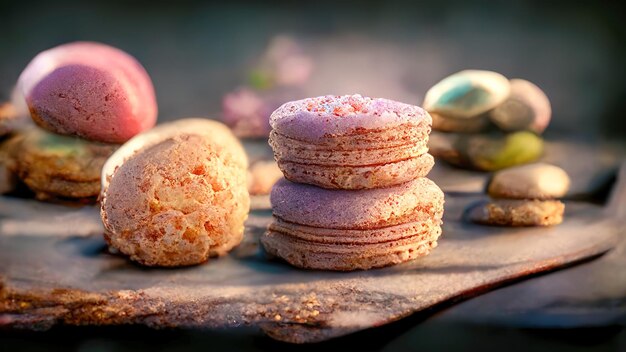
(177, 202)
(56, 166)
(9, 118)
(262, 176)
(532, 181)
(504, 212)
(217, 132)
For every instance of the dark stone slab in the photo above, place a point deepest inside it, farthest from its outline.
(55, 269)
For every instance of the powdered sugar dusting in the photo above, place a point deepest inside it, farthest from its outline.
(312, 118)
(339, 106)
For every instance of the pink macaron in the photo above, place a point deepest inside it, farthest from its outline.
(351, 141)
(90, 90)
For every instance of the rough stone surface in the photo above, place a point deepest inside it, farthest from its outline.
(55, 269)
(59, 275)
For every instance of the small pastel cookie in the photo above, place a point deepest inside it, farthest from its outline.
(177, 197)
(343, 230)
(526, 108)
(57, 167)
(90, 90)
(467, 94)
(262, 175)
(532, 181)
(351, 142)
(517, 212)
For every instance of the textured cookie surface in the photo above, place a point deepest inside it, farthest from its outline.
(56, 166)
(344, 230)
(220, 135)
(351, 142)
(522, 212)
(176, 203)
(532, 181)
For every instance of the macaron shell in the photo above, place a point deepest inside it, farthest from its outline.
(467, 94)
(422, 224)
(358, 177)
(309, 255)
(358, 159)
(176, 203)
(84, 101)
(284, 150)
(527, 107)
(531, 181)
(315, 119)
(56, 166)
(517, 212)
(214, 131)
(399, 135)
(361, 209)
(85, 66)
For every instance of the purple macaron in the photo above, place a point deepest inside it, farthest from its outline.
(351, 141)
(327, 229)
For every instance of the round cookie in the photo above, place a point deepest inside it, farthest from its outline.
(217, 132)
(89, 90)
(526, 108)
(177, 202)
(533, 181)
(486, 152)
(344, 230)
(262, 176)
(517, 212)
(467, 94)
(351, 142)
(56, 166)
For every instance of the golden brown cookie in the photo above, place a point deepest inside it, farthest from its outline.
(56, 166)
(177, 202)
(514, 212)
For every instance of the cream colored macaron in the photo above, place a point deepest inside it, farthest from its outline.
(532, 181)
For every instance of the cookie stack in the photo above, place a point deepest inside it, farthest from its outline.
(85, 99)
(526, 195)
(485, 121)
(354, 194)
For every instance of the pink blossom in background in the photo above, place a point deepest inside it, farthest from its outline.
(285, 63)
(247, 113)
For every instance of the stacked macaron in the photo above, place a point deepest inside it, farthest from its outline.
(354, 194)
(485, 121)
(85, 98)
(526, 195)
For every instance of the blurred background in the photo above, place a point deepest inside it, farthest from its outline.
(196, 52)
